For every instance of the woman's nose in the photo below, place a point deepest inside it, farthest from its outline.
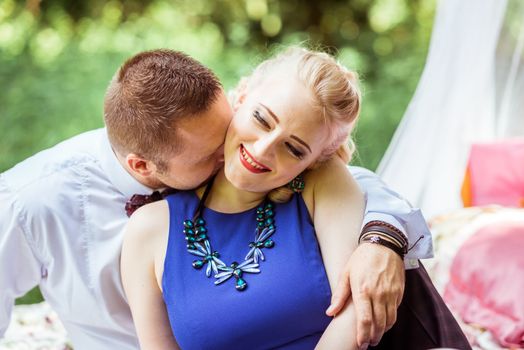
(264, 147)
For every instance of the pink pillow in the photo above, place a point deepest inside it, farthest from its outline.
(486, 285)
(496, 174)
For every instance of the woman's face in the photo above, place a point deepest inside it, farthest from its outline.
(275, 134)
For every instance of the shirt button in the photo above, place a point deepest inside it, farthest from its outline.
(413, 262)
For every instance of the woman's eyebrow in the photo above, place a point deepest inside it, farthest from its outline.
(296, 138)
(271, 113)
(301, 142)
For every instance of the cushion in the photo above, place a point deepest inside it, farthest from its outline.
(486, 284)
(495, 174)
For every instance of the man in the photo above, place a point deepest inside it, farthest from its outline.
(62, 210)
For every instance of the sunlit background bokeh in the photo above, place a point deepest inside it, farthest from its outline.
(57, 56)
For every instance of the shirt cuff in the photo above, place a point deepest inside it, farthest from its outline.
(409, 262)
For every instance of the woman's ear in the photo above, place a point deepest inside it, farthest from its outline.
(240, 94)
(316, 164)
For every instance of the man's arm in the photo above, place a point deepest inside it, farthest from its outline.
(374, 274)
(383, 204)
(20, 270)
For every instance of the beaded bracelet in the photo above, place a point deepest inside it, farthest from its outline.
(376, 239)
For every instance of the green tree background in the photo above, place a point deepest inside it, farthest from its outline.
(57, 56)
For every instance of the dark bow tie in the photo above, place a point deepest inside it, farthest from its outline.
(138, 200)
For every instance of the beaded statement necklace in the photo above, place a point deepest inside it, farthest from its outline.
(199, 245)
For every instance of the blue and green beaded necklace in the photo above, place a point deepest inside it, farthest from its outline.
(198, 244)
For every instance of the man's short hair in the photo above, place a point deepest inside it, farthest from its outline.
(148, 95)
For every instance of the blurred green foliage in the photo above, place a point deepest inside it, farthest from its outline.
(57, 56)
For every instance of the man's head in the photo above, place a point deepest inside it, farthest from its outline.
(166, 116)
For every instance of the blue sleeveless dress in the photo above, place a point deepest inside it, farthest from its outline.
(283, 306)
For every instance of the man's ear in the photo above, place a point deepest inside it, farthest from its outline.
(140, 166)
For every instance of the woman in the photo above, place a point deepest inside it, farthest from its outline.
(238, 264)
(282, 126)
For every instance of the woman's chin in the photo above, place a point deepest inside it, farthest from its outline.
(244, 180)
(243, 184)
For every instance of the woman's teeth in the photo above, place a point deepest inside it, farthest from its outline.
(251, 161)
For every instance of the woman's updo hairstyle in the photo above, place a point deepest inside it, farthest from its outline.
(336, 97)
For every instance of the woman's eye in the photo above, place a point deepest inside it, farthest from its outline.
(259, 118)
(294, 151)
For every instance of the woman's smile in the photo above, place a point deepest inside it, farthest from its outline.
(250, 163)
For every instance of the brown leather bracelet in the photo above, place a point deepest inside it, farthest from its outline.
(378, 228)
(384, 225)
(376, 239)
(385, 236)
(401, 239)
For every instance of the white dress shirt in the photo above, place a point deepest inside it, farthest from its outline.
(61, 221)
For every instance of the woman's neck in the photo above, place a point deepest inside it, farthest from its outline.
(226, 198)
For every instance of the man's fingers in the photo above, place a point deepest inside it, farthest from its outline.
(379, 322)
(363, 309)
(391, 311)
(340, 295)
(400, 296)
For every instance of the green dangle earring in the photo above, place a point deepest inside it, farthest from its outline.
(297, 185)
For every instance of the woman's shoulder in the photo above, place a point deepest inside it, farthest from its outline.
(149, 220)
(147, 228)
(146, 235)
(328, 179)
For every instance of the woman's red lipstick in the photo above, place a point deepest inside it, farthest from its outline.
(250, 163)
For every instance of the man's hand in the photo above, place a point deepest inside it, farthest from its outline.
(375, 277)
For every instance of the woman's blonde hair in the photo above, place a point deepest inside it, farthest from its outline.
(336, 96)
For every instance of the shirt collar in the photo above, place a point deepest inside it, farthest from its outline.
(116, 173)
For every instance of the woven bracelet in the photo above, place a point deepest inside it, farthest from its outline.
(399, 239)
(376, 239)
(385, 236)
(380, 228)
(384, 225)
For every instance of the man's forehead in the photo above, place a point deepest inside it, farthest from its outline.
(201, 138)
(206, 130)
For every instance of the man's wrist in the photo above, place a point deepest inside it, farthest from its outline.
(385, 234)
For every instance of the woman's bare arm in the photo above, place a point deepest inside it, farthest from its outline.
(337, 207)
(145, 238)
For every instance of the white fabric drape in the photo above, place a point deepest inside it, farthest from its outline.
(471, 90)
(510, 73)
